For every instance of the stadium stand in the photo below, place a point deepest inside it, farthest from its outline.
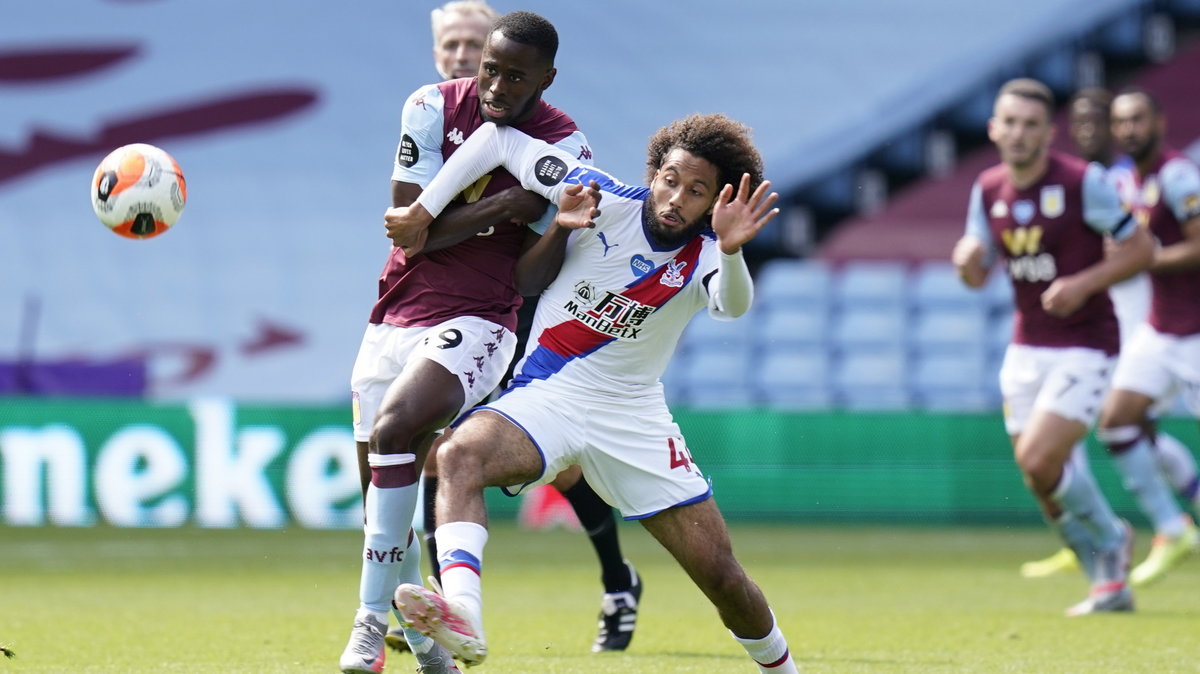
(902, 330)
(294, 231)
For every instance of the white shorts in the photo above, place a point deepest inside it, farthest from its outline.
(630, 449)
(1068, 381)
(1158, 365)
(478, 351)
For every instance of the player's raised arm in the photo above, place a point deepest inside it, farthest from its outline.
(736, 219)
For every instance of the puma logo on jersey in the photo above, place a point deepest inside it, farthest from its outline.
(604, 241)
(455, 136)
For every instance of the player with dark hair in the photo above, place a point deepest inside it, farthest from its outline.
(1048, 215)
(587, 392)
(1089, 125)
(1092, 134)
(1163, 355)
(441, 334)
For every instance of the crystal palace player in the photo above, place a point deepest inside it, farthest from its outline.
(587, 391)
(1047, 214)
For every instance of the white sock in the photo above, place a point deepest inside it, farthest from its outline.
(1079, 456)
(771, 652)
(410, 572)
(387, 533)
(1078, 494)
(460, 559)
(1177, 464)
(1141, 477)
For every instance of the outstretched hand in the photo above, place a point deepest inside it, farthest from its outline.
(408, 227)
(578, 207)
(737, 218)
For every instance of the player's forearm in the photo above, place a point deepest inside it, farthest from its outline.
(968, 259)
(1181, 256)
(539, 265)
(459, 223)
(733, 288)
(1128, 258)
(487, 148)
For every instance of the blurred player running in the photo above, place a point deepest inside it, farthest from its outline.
(1091, 132)
(1048, 215)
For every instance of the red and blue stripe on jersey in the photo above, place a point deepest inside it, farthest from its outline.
(562, 343)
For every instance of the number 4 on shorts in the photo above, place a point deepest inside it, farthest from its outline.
(680, 456)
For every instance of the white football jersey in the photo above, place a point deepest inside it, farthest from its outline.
(611, 319)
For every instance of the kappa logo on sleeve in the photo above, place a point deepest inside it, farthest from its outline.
(550, 170)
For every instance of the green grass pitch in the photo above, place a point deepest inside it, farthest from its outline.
(850, 599)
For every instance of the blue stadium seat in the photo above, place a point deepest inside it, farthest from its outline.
(871, 283)
(950, 331)
(799, 284)
(705, 331)
(794, 380)
(936, 286)
(953, 382)
(715, 378)
(859, 328)
(999, 333)
(872, 381)
(998, 291)
(780, 327)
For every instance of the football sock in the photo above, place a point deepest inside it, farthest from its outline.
(461, 561)
(771, 652)
(1079, 458)
(1139, 472)
(1079, 495)
(1177, 465)
(409, 570)
(429, 507)
(1077, 537)
(391, 502)
(600, 523)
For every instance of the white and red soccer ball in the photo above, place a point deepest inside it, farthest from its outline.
(138, 191)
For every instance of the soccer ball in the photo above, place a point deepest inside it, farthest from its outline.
(138, 191)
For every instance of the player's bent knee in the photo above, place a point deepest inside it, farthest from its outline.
(458, 461)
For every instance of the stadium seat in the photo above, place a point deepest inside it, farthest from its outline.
(794, 380)
(872, 381)
(999, 333)
(780, 327)
(716, 378)
(953, 382)
(705, 331)
(998, 291)
(936, 286)
(872, 284)
(950, 331)
(798, 284)
(859, 328)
